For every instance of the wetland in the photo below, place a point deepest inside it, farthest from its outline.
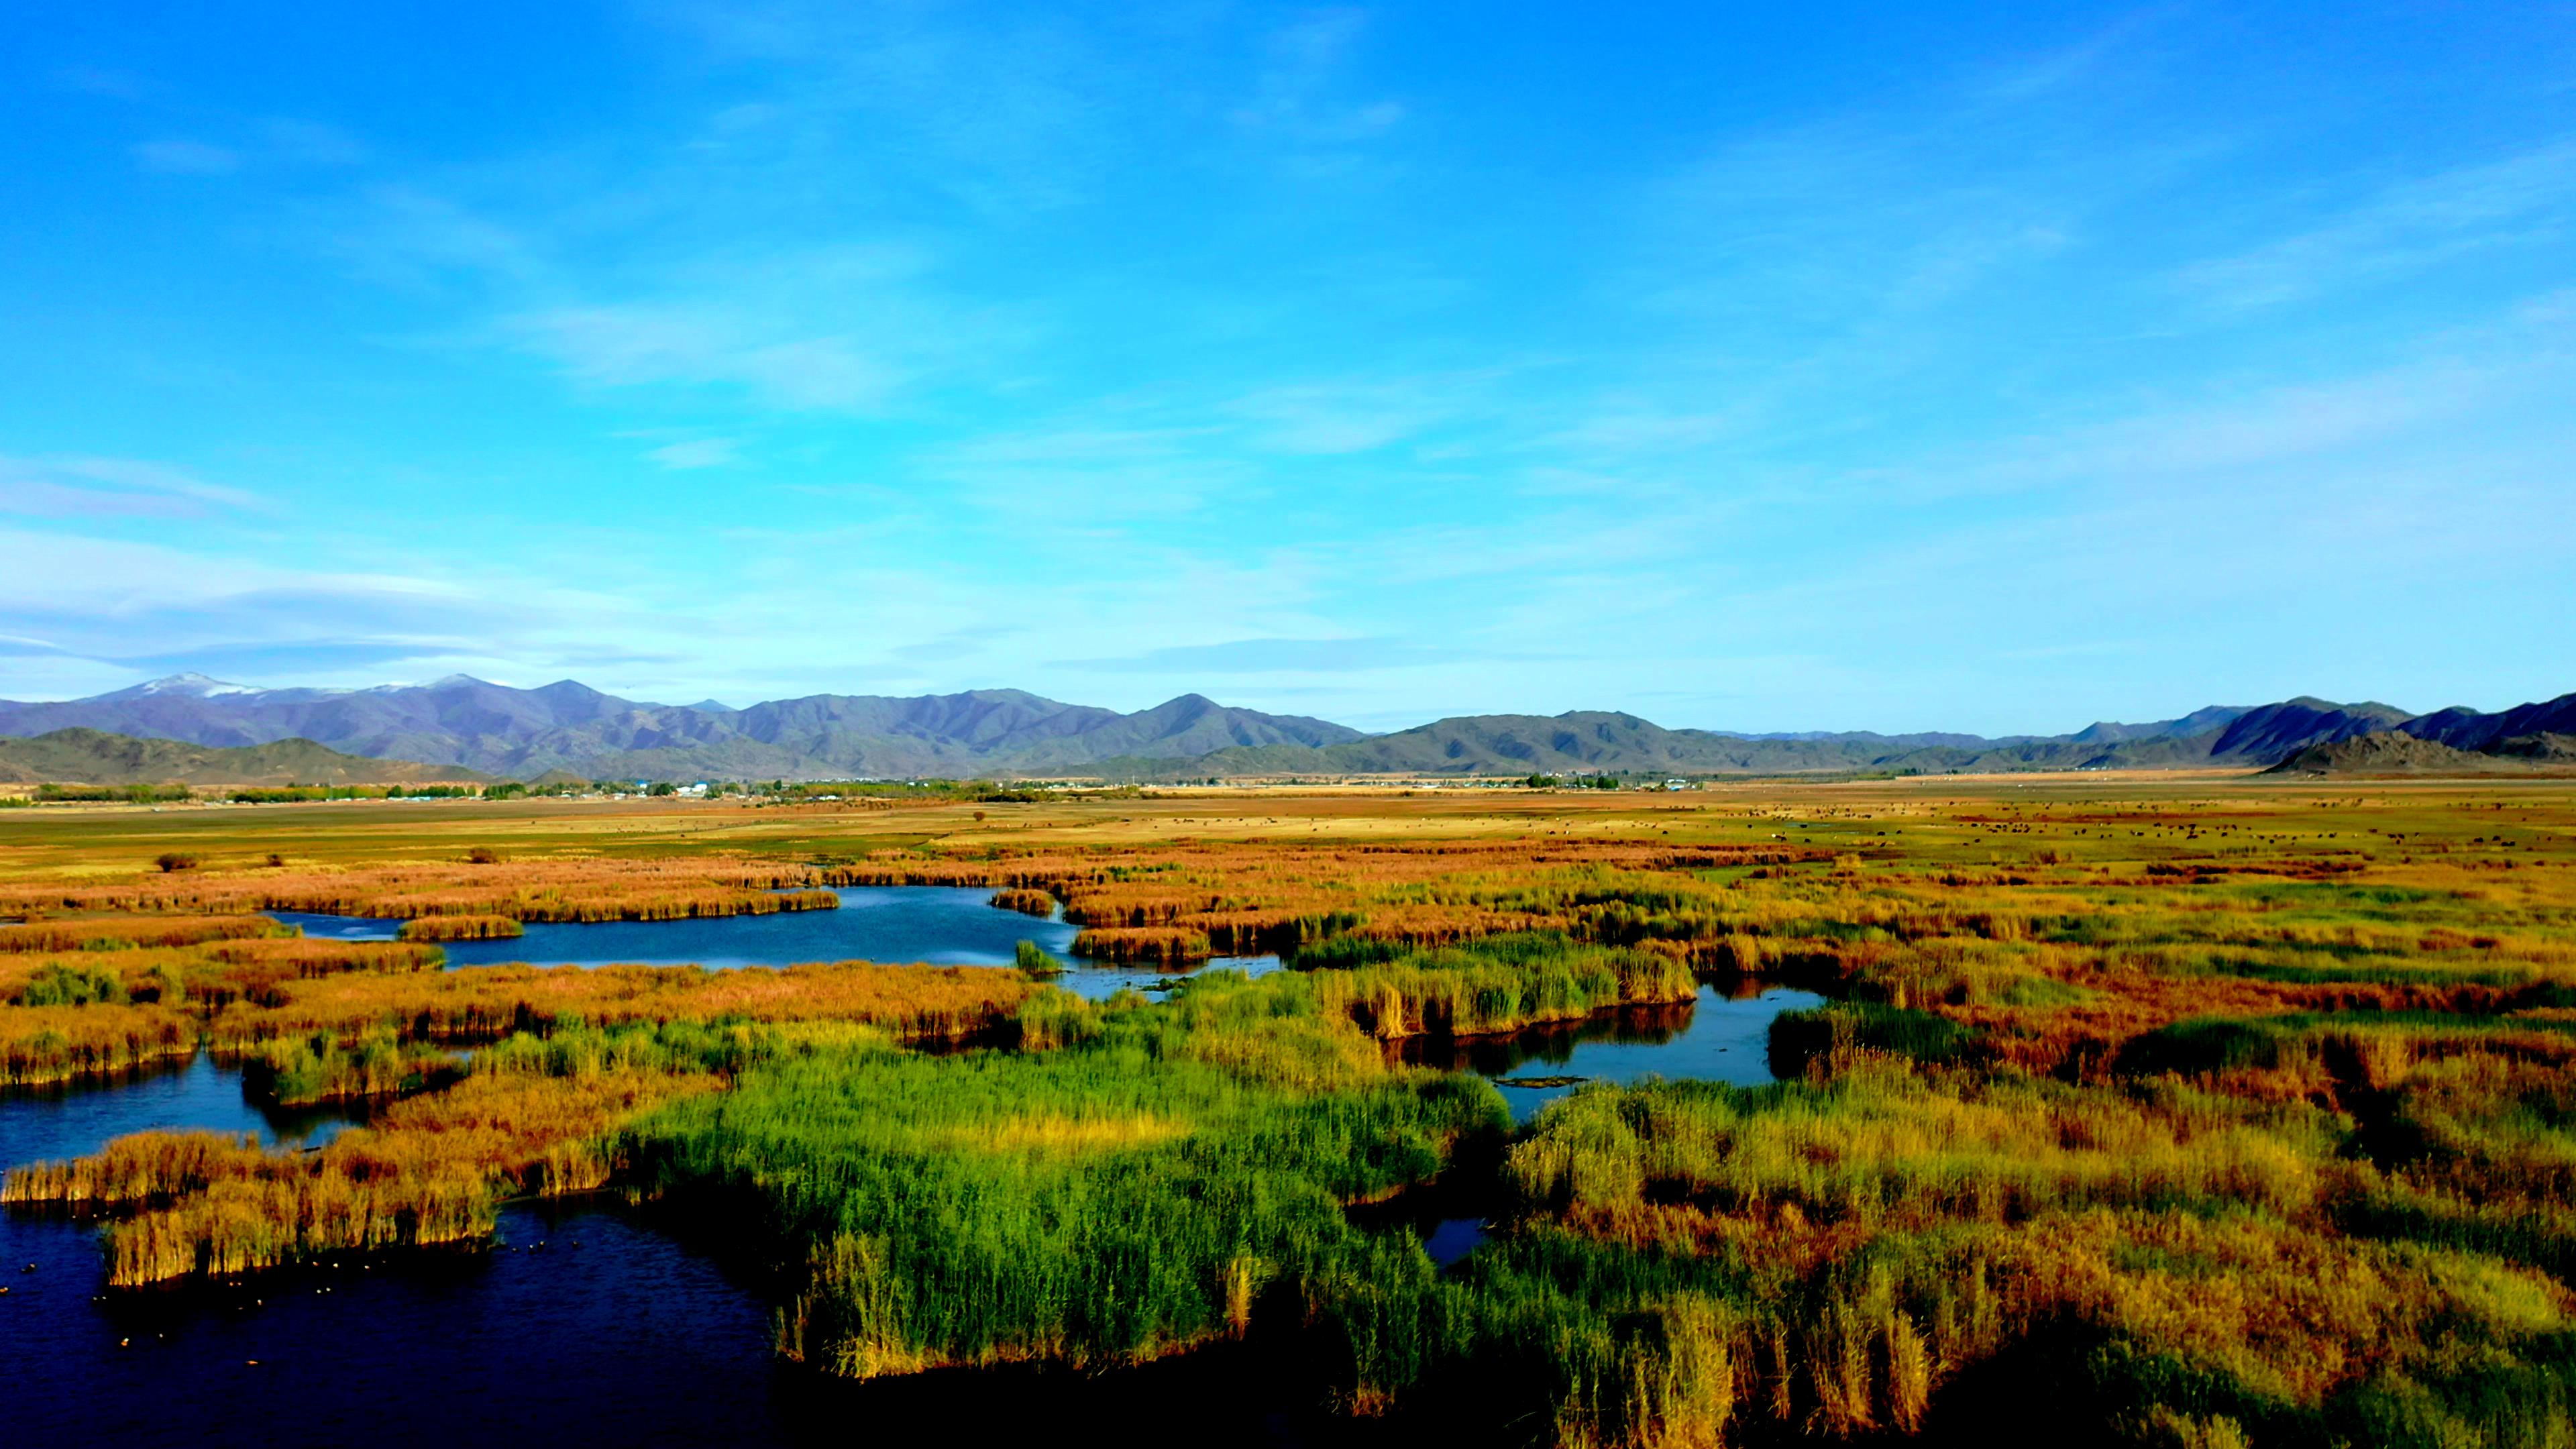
(1795, 1111)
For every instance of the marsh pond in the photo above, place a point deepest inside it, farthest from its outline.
(589, 1320)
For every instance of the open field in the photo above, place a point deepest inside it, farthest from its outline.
(2234, 1110)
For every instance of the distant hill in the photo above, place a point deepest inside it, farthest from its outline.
(2279, 729)
(568, 729)
(568, 726)
(2469, 730)
(2390, 753)
(79, 756)
(1583, 742)
(2401, 752)
(2551, 746)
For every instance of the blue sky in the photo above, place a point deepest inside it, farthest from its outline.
(1990, 367)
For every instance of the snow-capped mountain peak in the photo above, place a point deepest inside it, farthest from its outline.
(192, 685)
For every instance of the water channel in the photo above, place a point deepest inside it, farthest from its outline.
(585, 1323)
(934, 925)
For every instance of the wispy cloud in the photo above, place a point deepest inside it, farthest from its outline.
(404, 234)
(638, 343)
(694, 453)
(73, 487)
(843, 326)
(1300, 92)
(2405, 228)
(311, 143)
(1008, 113)
(177, 156)
(1092, 474)
(1353, 417)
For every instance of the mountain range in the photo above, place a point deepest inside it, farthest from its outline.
(96, 757)
(570, 728)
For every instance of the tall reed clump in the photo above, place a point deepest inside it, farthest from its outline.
(325, 1068)
(55, 1043)
(461, 928)
(1033, 961)
(1126, 1193)
(72, 983)
(1169, 947)
(1496, 985)
(1028, 901)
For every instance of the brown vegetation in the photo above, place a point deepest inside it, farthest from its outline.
(461, 928)
(1170, 947)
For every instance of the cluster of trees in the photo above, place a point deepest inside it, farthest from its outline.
(965, 791)
(130, 794)
(292, 793)
(286, 794)
(1580, 782)
(978, 792)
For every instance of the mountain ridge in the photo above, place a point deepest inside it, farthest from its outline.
(568, 727)
(77, 755)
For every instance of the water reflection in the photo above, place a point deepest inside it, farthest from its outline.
(75, 1119)
(1718, 1038)
(626, 1338)
(937, 925)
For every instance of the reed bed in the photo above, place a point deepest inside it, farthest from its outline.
(328, 1068)
(461, 928)
(1026, 900)
(1128, 1193)
(1169, 947)
(1502, 984)
(126, 932)
(430, 1170)
(56, 1043)
(263, 973)
(1827, 1259)
(488, 1003)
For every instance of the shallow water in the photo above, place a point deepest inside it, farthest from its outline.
(937, 925)
(627, 1338)
(586, 1325)
(40, 1124)
(1718, 1038)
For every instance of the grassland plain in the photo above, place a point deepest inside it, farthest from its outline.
(2169, 1111)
